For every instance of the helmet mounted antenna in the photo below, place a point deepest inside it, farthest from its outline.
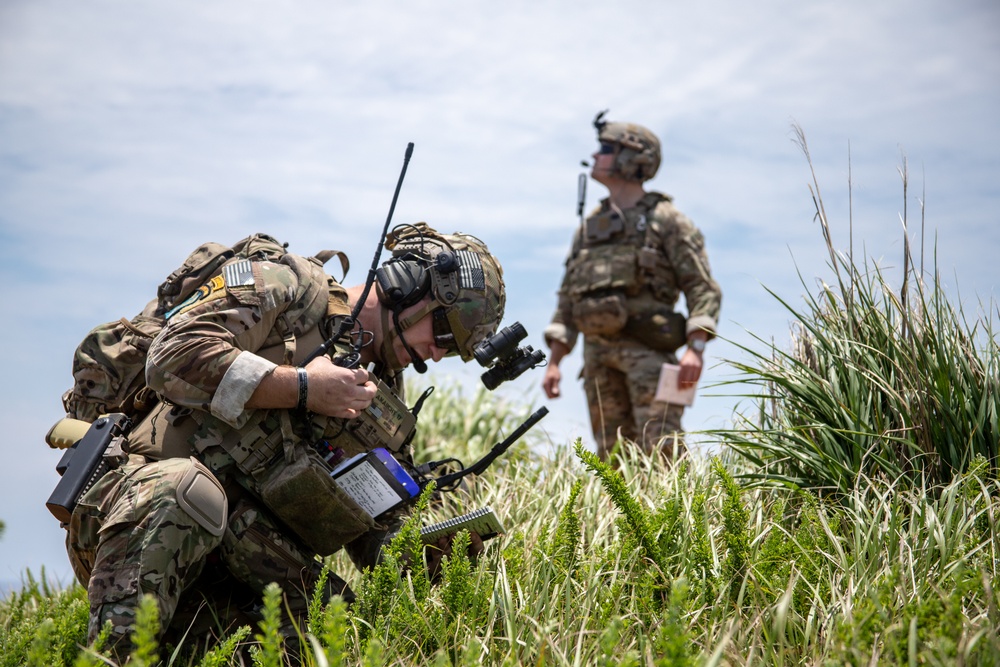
(352, 359)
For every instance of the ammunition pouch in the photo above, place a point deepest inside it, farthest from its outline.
(661, 329)
(288, 476)
(303, 495)
(604, 315)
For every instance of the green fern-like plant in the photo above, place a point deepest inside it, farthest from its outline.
(332, 631)
(381, 603)
(565, 541)
(635, 517)
(269, 651)
(223, 654)
(701, 563)
(673, 641)
(737, 539)
(145, 650)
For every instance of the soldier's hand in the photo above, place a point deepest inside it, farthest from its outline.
(335, 391)
(550, 383)
(690, 372)
(435, 553)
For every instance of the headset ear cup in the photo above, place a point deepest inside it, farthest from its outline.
(401, 284)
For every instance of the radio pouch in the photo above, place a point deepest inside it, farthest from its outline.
(661, 329)
(304, 496)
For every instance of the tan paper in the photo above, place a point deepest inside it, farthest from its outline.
(668, 390)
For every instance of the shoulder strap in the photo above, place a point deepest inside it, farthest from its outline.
(324, 256)
(655, 223)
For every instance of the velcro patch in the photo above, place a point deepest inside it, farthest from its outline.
(470, 273)
(214, 286)
(238, 274)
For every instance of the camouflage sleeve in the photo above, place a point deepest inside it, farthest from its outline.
(684, 246)
(204, 356)
(561, 327)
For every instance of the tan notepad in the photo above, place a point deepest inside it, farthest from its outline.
(668, 389)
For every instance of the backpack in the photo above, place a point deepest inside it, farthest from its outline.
(109, 365)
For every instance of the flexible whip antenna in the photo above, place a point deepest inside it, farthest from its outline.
(349, 322)
(445, 481)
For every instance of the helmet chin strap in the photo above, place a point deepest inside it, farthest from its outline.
(389, 352)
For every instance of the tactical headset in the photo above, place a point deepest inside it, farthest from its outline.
(403, 281)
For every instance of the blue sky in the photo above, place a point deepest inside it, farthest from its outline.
(131, 132)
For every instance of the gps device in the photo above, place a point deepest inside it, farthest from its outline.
(375, 481)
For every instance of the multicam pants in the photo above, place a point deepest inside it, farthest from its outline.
(620, 381)
(129, 537)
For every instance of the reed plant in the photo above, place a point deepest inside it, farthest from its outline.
(878, 381)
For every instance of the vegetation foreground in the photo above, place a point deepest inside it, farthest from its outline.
(852, 519)
(646, 565)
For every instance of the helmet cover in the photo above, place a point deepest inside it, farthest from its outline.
(638, 155)
(466, 283)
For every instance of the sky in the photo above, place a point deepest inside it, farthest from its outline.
(132, 132)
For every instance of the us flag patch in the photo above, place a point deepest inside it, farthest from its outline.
(470, 272)
(238, 274)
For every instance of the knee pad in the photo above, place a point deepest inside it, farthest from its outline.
(202, 497)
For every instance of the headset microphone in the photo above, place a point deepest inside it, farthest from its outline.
(419, 365)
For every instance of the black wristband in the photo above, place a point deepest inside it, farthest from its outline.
(303, 389)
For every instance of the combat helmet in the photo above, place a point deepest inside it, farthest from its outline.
(638, 155)
(462, 277)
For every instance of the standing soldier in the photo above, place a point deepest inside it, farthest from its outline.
(629, 262)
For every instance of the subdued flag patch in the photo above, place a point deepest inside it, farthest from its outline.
(238, 274)
(470, 273)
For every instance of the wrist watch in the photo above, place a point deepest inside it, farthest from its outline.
(698, 345)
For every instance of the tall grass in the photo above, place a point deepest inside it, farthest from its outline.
(646, 565)
(878, 382)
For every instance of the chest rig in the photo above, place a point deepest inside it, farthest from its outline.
(616, 253)
(617, 257)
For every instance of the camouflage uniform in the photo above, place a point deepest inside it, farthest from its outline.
(128, 536)
(620, 275)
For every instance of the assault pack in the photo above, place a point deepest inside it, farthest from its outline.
(109, 365)
(109, 393)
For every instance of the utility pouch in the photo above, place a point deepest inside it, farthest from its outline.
(660, 329)
(304, 496)
(600, 315)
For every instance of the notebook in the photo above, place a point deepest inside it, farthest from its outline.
(482, 521)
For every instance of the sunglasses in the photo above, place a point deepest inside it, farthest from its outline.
(606, 148)
(443, 337)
